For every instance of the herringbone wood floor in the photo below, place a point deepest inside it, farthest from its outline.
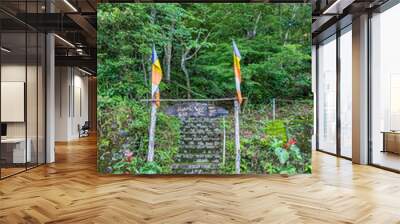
(70, 191)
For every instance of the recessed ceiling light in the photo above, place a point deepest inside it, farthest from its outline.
(70, 5)
(65, 41)
(84, 71)
(338, 6)
(5, 50)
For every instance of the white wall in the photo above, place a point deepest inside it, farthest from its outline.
(71, 102)
(62, 81)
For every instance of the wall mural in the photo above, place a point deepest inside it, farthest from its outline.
(204, 88)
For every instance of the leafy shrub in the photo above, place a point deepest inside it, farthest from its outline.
(276, 129)
(123, 138)
(273, 147)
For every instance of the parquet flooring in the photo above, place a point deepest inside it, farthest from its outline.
(70, 191)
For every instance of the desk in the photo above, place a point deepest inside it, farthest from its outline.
(391, 141)
(15, 148)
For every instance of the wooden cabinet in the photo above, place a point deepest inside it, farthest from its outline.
(391, 142)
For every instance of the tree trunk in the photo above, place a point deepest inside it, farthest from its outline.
(294, 14)
(185, 57)
(187, 76)
(237, 137)
(167, 60)
(252, 33)
(152, 130)
(144, 70)
(168, 52)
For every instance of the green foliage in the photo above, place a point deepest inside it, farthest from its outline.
(264, 145)
(274, 41)
(150, 168)
(123, 130)
(289, 157)
(276, 129)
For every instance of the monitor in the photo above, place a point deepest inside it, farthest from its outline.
(3, 129)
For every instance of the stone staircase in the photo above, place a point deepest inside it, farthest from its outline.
(200, 146)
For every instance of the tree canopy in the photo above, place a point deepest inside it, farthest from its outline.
(194, 44)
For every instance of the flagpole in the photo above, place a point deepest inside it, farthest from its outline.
(237, 136)
(153, 118)
(237, 102)
(152, 129)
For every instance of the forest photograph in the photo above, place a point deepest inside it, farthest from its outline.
(204, 88)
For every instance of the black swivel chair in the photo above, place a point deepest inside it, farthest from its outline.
(84, 130)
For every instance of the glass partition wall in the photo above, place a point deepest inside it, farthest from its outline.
(22, 89)
(334, 93)
(326, 54)
(385, 89)
(345, 61)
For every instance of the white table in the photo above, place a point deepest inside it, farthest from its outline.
(19, 154)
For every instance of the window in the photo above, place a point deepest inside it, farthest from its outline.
(346, 92)
(385, 89)
(327, 95)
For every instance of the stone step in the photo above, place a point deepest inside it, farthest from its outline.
(201, 132)
(196, 131)
(194, 166)
(200, 120)
(199, 146)
(200, 151)
(200, 138)
(195, 146)
(196, 171)
(202, 123)
(199, 143)
(204, 120)
(198, 158)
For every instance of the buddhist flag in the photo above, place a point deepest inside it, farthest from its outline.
(236, 69)
(156, 76)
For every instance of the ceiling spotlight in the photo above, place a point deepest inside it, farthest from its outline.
(65, 41)
(84, 71)
(338, 6)
(70, 5)
(5, 50)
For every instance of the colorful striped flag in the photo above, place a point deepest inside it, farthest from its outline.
(156, 76)
(236, 69)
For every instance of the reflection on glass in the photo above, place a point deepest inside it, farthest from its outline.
(41, 99)
(327, 95)
(385, 92)
(22, 90)
(31, 100)
(15, 151)
(346, 92)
